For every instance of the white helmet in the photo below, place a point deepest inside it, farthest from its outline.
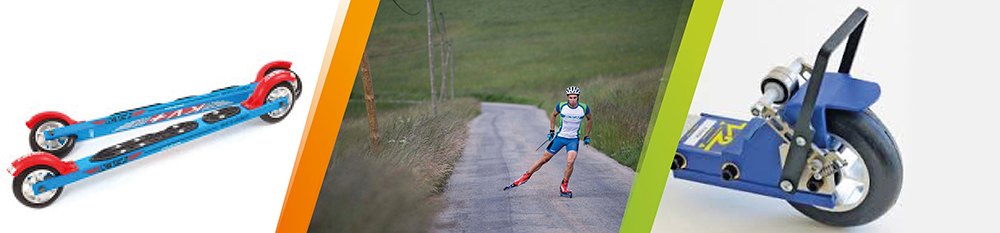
(572, 90)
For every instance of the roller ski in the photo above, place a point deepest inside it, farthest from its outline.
(816, 145)
(564, 190)
(518, 182)
(39, 177)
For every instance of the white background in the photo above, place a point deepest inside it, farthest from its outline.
(933, 60)
(89, 59)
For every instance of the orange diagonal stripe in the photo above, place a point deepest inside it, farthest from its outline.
(340, 64)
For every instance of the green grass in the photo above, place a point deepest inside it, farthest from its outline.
(392, 189)
(412, 138)
(524, 50)
(621, 107)
(357, 109)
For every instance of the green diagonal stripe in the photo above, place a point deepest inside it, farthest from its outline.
(677, 89)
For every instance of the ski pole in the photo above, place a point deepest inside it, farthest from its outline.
(543, 144)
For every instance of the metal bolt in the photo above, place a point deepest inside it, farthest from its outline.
(787, 185)
(816, 164)
(801, 141)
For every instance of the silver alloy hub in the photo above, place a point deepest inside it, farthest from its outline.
(33, 178)
(276, 94)
(855, 181)
(50, 145)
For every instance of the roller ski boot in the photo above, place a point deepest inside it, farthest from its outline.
(564, 191)
(519, 181)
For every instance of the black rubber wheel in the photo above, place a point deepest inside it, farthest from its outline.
(298, 81)
(19, 186)
(298, 86)
(876, 147)
(283, 87)
(60, 151)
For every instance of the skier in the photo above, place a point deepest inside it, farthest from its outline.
(571, 113)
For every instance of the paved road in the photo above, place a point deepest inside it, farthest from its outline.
(501, 147)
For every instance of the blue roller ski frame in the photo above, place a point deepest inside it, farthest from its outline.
(221, 109)
(89, 168)
(752, 147)
(150, 115)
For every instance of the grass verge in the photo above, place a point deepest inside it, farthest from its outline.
(621, 107)
(392, 189)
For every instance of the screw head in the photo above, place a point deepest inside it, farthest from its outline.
(801, 141)
(816, 164)
(787, 185)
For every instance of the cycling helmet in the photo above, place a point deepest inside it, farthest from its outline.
(572, 90)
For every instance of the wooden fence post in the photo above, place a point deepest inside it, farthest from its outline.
(366, 82)
(430, 54)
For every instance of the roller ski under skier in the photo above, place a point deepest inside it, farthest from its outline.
(563, 189)
(519, 181)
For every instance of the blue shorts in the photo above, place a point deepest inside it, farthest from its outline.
(559, 142)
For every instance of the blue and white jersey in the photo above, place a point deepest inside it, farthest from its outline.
(571, 119)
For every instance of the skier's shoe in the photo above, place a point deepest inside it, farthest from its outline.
(564, 191)
(519, 181)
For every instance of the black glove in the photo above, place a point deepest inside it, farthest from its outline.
(586, 140)
(552, 133)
